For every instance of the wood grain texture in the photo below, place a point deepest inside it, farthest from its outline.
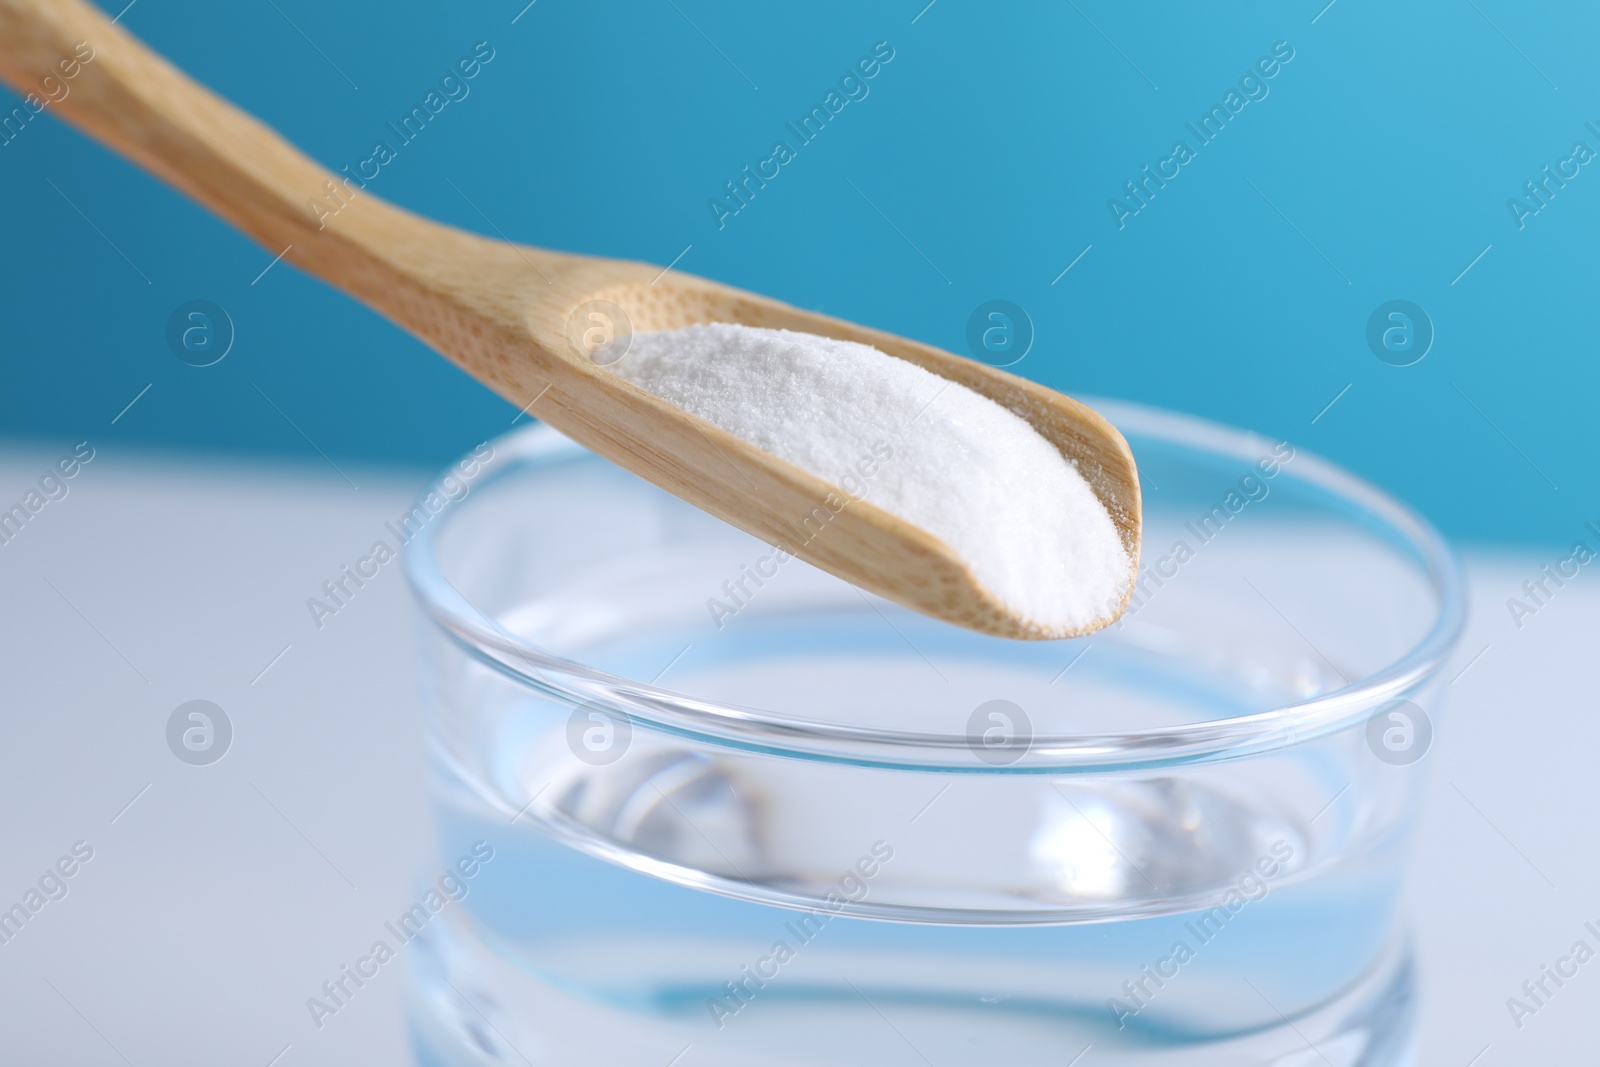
(500, 311)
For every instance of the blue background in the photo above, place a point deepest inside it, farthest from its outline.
(1378, 167)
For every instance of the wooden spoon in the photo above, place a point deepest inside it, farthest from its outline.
(506, 314)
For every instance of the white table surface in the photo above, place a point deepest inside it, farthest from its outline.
(224, 895)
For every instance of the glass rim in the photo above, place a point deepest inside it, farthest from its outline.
(751, 729)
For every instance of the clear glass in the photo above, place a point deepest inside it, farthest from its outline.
(720, 806)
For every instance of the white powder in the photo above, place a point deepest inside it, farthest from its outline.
(964, 469)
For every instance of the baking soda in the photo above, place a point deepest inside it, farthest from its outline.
(965, 469)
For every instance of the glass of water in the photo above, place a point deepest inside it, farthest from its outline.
(698, 803)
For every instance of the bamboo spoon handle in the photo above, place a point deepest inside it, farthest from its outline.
(137, 103)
